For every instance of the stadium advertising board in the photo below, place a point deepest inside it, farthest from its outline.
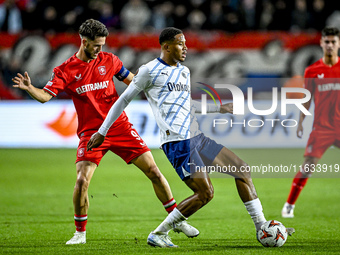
(30, 124)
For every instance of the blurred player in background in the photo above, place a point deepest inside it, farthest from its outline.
(88, 78)
(322, 79)
(166, 84)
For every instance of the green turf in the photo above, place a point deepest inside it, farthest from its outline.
(36, 212)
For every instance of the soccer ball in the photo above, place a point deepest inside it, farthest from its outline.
(272, 234)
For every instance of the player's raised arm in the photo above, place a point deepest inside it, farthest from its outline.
(24, 82)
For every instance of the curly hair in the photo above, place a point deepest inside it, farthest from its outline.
(93, 28)
(168, 34)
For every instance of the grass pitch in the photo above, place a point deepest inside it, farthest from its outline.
(36, 212)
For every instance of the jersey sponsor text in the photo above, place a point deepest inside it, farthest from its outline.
(92, 86)
(329, 86)
(177, 87)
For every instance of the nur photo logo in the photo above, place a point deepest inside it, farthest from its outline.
(278, 101)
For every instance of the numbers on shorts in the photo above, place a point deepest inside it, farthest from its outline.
(134, 134)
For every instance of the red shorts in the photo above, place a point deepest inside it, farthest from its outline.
(320, 141)
(122, 140)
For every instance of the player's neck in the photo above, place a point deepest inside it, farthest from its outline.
(168, 60)
(82, 56)
(330, 60)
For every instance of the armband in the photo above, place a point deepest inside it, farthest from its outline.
(122, 74)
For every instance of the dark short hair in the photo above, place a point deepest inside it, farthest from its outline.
(93, 28)
(329, 31)
(168, 34)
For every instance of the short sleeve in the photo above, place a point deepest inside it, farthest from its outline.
(117, 64)
(308, 81)
(56, 84)
(142, 79)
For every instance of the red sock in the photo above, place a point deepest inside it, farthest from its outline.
(80, 222)
(298, 183)
(170, 205)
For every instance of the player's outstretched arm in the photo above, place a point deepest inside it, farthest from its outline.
(213, 108)
(96, 140)
(116, 110)
(24, 82)
(129, 78)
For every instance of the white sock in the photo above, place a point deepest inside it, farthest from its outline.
(255, 211)
(174, 217)
(289, 205)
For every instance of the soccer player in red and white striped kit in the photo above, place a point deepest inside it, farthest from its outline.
(322, 79)
(87, 77)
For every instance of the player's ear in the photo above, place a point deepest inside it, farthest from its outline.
(166, 47)
(84, 41)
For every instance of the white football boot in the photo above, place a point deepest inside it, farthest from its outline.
(160, 239)
(78, 238)
(187, 229)
(288, 211)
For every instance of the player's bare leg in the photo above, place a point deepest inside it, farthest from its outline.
(244, 183)
(85, 170)
(245, 186)
(203, 190)
(298, 184)
(146, 163)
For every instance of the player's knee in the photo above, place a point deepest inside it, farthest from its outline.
(82, 182)
(307, 170)
(153, 173)
(244, 172)
(308, 166)
(206, 195)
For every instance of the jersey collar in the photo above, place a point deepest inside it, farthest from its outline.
(164, 63)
